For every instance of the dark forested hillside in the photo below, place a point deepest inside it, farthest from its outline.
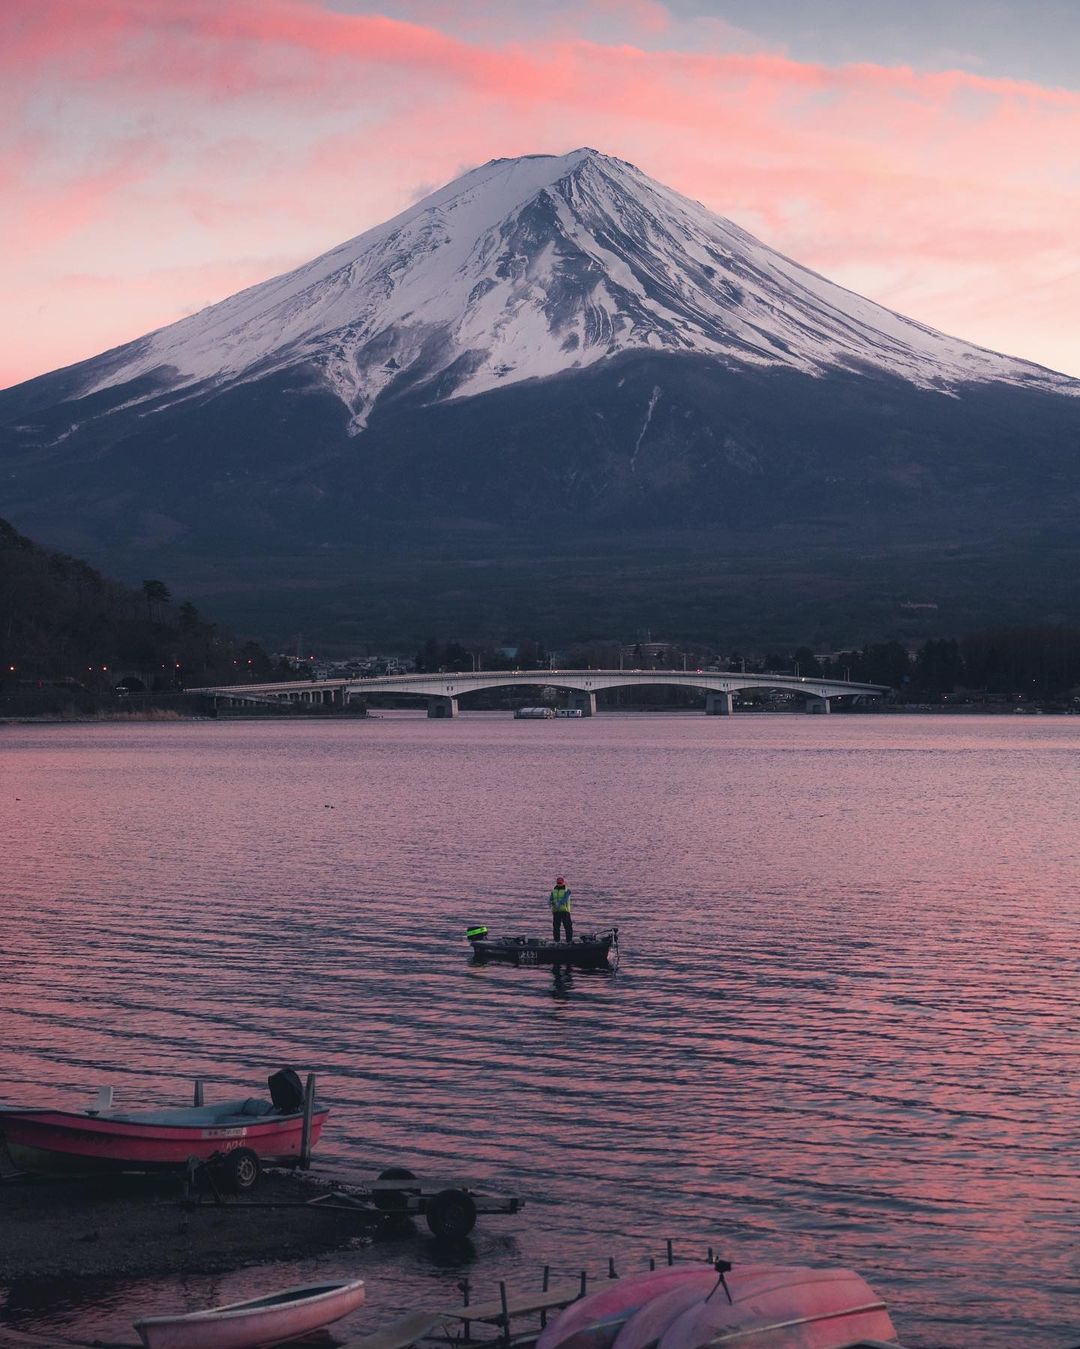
(63, 623)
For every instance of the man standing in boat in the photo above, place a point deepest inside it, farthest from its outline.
(559, 899)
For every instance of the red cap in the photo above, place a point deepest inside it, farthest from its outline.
(559, 880)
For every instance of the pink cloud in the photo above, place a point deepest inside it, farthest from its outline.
(276, 128)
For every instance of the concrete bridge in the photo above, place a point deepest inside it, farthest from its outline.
(442, 691)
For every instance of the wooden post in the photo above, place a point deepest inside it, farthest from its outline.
(464, 1286)
(710, 1256)
(309, 1110)
(611, 1267)
(670, 1252)
(547, 1285)
(584, 1282)
(198, 1091)
(652, 1262)
(505, 1310)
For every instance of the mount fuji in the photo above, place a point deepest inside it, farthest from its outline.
(552, 348)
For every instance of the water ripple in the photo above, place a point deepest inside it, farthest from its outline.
(843, 1030)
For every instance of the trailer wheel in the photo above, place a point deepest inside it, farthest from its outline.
(391, 1201)
(241, 1168)
(451, 1214)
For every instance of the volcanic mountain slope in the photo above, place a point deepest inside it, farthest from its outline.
(531, 267)
(546, 340)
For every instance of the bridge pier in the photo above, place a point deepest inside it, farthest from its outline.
(817, 705)
(442, 707)
(719, 704)
(583, 702)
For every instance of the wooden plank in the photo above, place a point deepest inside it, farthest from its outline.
(516, 1305)
(402, 1333)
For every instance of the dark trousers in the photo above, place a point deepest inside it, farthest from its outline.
(561, 918)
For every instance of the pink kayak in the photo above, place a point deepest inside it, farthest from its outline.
(645, 1328)
(777, 1307)
(260, 1321)
(594, 1321)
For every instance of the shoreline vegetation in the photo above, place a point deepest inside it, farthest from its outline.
(73, 638)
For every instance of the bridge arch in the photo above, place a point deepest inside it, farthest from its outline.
(442, 690)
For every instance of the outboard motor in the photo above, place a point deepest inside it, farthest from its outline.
(286, 1091)
(476, 933)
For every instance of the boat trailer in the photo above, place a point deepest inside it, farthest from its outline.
(449, 1206)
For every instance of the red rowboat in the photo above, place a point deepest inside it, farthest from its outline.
(246, 1131)
(260, 1321)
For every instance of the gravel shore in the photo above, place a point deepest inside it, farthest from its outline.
(142, 1226)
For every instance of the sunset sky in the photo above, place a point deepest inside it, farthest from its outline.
(158, 155)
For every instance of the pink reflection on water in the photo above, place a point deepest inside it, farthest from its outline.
(843, 1029)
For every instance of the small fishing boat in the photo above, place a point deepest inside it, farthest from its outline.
(242, 1133)
(257, 1322)
(588, 952)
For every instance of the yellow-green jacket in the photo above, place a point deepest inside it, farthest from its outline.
(559, 899)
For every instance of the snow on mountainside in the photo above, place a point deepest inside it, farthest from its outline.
(529, 267)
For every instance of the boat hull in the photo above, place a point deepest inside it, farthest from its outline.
(595, 1321)
(261, 1321)
(51, 1140)
(646, 1327)
(782, 1307)
(771, 1307)
(585, 953)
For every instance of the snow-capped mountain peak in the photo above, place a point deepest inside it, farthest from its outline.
(526, 268)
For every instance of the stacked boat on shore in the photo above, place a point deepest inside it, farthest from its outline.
(749, 1306)
(687, 1306)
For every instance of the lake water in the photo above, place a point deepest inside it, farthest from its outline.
(844, 1029)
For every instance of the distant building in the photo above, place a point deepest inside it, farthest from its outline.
(650, 656)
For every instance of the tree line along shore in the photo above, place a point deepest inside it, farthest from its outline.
(75, 644)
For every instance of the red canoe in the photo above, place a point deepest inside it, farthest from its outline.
(50, 1140)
